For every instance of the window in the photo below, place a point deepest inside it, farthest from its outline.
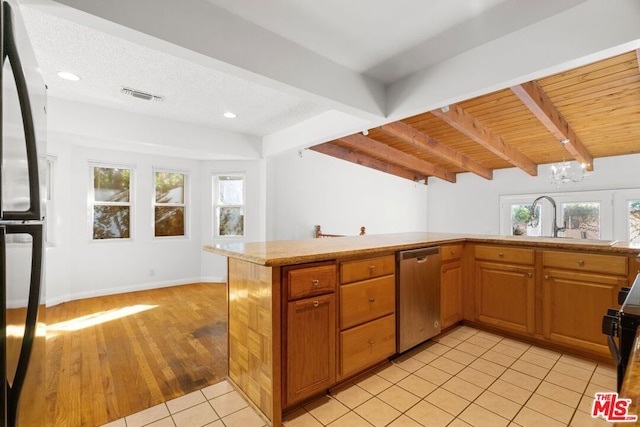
(582, 220)
(634, 220)
(169, 206)
(50, 206)
(229, 205)
(586, 214)
(521, 224)
(111, 204)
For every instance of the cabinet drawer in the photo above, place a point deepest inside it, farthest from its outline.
(450, 252)
(368, 344)
(352, 271)
(505, 254)
(367, 300)
(610, 264)
(310, 281)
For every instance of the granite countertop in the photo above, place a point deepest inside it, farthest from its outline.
(285, 252)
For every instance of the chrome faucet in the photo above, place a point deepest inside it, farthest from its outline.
(534, 220)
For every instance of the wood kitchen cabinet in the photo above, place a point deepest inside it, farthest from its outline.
(310, 331)
(450, 285)
(577, 290)
(311, 346)
(505, 288)
(367, 313)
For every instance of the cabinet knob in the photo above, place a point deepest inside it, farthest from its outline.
(372, 267)
(529, 274)
(581, 263)
(371, 342)
(501, 255)
(452, 252)
(316, 303)
(546, 277)
(315, 282)
(372, 299)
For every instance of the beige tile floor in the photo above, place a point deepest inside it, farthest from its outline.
(465, 377)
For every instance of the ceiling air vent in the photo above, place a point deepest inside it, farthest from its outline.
(142, 95)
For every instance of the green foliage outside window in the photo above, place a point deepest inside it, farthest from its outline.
(111, 203)
(169, 208)
(230, 205)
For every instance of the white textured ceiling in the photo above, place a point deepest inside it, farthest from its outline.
(192, 92)
(297, 72)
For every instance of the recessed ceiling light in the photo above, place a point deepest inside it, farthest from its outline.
(68, 76)
(229, 115)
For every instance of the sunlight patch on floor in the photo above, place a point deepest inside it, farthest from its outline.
(96, 318)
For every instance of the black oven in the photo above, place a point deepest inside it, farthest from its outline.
(623, 324)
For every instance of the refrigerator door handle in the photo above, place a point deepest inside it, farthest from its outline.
(36, 231)
(11, 52)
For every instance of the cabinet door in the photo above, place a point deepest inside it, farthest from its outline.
(505, 296)
(311, 347)
(450, 294)
(573, 305)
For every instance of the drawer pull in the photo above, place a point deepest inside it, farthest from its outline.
(315, 282)
(371, 342)
(501, 255)
(452, 252)
(546, 277)
(529, 274)
(581, 263)
(372, 299)
(316, 303)
(372, 267)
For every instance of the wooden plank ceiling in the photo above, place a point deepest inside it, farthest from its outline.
(594, 109)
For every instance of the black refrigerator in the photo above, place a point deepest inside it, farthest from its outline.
(23, 193)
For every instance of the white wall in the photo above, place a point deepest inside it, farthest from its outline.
(78, 267)
(472, 204)
(340, 196)
(214, 267)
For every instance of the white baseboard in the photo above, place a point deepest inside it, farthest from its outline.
(218, 279)
(58, 299)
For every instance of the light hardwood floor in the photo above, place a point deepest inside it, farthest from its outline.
(97, 373)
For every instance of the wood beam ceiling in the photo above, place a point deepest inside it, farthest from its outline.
(536, 99)
(363, 160)
(463, 122)
(373, 148)
(426, 143)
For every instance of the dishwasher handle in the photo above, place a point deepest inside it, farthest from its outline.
(420, 254)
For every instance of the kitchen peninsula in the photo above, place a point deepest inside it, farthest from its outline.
(307, 315)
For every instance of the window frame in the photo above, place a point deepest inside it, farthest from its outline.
(185, 201)
(604, 197)
(216, 199)
(51, 232)
(622, 227)
(92, 201)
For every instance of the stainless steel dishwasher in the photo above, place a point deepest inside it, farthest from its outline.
(418, 296)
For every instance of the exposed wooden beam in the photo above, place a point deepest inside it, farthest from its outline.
(537, 100)
(377, 149)
(363, 160)
(462, 121)
(425, 142)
